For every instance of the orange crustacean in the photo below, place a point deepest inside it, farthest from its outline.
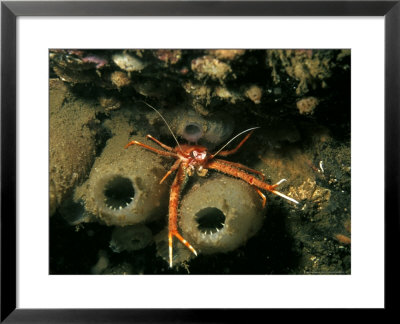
(195, 159)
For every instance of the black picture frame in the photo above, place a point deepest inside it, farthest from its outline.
(10, 10)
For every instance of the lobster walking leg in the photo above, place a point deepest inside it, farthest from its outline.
(173, 168)
(173, 213)
(159, 143)
(217, 165)
(151, 149)
(264, 199)
(241, 166)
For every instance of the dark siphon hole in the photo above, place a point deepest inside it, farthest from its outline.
(192, 129)
(118, 192)
(210, 220)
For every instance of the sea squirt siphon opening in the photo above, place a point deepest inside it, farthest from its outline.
(210, 220)
(118, 192)
(192, 132)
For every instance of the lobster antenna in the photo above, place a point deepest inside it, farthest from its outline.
(164, 122)
(245, 131)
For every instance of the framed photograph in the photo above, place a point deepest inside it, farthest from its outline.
(197, 160)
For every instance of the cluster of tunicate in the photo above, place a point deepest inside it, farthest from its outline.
(123, 190)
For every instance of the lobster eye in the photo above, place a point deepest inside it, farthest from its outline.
(194, 154)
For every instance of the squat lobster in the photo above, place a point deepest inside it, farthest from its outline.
(191, 159)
